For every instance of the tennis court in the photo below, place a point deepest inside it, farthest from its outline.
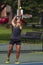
(27, 57)
(39, 63)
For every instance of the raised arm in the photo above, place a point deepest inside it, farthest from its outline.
(13, 22)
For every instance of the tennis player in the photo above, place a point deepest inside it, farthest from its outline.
(15, 38)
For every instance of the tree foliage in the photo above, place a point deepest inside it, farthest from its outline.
(29, 6)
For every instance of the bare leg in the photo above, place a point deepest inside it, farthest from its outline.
(9, 50)
(18, 48)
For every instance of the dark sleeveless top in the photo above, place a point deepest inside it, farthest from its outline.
(16, 33)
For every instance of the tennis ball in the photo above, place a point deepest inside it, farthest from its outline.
(20, 7)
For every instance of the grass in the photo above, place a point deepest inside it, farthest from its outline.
(5, 33)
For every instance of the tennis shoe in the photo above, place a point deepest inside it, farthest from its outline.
(17, 62)
(7, 61)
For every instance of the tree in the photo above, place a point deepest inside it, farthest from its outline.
(32, 6)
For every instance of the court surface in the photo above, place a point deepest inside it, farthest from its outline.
(30, 58)
(25, 59)
(39, 63)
